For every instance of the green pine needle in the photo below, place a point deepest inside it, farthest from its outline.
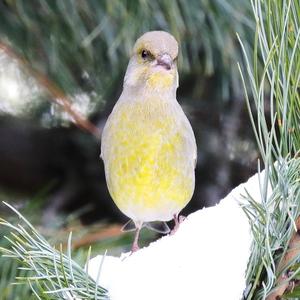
(50, 273)
(274, 85)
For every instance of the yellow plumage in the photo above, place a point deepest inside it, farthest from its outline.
(148, 146)
(149, 166)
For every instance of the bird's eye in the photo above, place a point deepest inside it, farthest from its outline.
(145, 54)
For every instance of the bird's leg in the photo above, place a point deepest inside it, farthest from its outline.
(178, 220)
(135, 246)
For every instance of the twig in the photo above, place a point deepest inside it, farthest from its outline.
(57, 95)
(283, 284)
(91, 238)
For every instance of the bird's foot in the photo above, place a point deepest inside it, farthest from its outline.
(178, 220)
(135, 247)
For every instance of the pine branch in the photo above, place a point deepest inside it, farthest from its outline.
(273, 267)
(54, 275)
(72, 38)
(284, 282)
(56, 94)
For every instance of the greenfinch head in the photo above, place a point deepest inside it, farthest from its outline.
(153, 63)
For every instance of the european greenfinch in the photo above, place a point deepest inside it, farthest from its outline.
(148, 145)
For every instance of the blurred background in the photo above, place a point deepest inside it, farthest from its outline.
(61, 69)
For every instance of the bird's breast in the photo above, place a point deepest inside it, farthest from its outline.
(147, 157)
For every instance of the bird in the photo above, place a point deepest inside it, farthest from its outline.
(148, 145)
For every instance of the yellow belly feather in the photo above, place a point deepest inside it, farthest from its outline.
(149, 169)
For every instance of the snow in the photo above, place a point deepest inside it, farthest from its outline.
(18, 91)
(205, 259)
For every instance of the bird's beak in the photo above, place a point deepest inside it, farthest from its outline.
(165, 60)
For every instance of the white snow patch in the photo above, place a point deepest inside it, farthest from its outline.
(18, 91)
(205, 259)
